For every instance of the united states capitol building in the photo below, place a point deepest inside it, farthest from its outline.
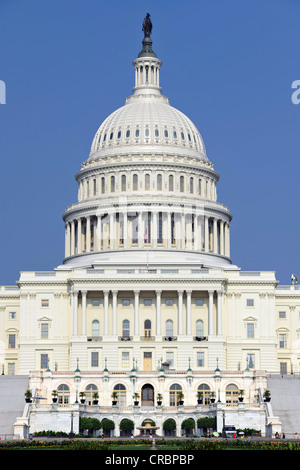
(147, 309)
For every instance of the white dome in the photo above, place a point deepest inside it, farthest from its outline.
(148, 121)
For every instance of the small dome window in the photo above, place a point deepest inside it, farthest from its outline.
(182, 136)
(166, 133)
(111, 136)
(156, 133)
(128, 133)
(119, 135)
(104, 138)
(147, 132)
(175, 134)
(137, 132)
(189, 137)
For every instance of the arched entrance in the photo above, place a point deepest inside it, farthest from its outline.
(147, 395)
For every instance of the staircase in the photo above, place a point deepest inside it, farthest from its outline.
(285, 401)
(12, 401)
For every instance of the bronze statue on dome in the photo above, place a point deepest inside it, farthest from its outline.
(147, 26)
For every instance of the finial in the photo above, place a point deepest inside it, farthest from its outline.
(147, 41)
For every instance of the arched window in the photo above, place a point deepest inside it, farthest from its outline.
(191, 185)
(112, 184)
(103, 185)
(204, 394)
(120, 396)
(147, 132)
(119, 135)
(111, 136)
(232, 394)
(175, 134)
(159, 182)
(182, 184)
(89, 392)
(125, 329)
(174, 394)
(166, 133)
(123, 183)
(135, 180)
(63, 394)
(169, 328)
(147, 329)
(127, 133)
(156, 133)
(147, 182)
(95, 328)
(137, 132)
(171, 183)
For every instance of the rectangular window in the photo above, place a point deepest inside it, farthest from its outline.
(250, 361)
(147, 302)
(95, 302)
(170, 358)
(282, 340)
(45, 302)
(169, 302)
(12, 315)
(44, 361)
(125, 359)
(44, 330)
(200, 359)
(282, 315)
(125, 302)
(250, 330)
(283, 368)
(199, 302)
(250, 302)
(95, 359)
(11, 341)
(11, 368)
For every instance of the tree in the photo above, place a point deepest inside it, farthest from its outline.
(206, 423)
(108, 424)
(126, 425)
(169, 426)
(89, 424)
(188, 425)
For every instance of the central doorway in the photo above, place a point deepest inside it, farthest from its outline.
(147, 395)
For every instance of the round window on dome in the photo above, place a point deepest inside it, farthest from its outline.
(166, 133)
(111, 136)
(119, 134)
(147, 132)
(128, 133)
(182, 136)
(189, 137)
(156, 133)
(175, 134)
(104, 138)
(137, 132)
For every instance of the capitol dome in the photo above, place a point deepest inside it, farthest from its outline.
(147, 190)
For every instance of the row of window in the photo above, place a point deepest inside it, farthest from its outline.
(175, 394)
(199, 186)
(148, 302)
(106, 137)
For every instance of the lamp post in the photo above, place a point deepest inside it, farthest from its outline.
(77, 379)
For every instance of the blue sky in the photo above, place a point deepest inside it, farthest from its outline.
(228, 65)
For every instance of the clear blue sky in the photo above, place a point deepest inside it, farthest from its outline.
(228, 65)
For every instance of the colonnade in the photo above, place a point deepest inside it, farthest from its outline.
(114, 230)
(110, 303)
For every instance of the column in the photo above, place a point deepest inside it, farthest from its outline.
(154, 230)
(211, 312)
(188, 312)
(88, 234)
(221, 237)
(114, 318)
(140, 230)
(206, 235)
(182, 233)
(196, 233)
(112, 230)
(106, 294)
(136, 312)
(99, 232)
(125, 229)
(220, 312)
(168, 230)
(180, 305)
(215, 236)
(75, 312)
(83, 308)
(73, 237)
(67, 239)
(79, 236)
(158, 312)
